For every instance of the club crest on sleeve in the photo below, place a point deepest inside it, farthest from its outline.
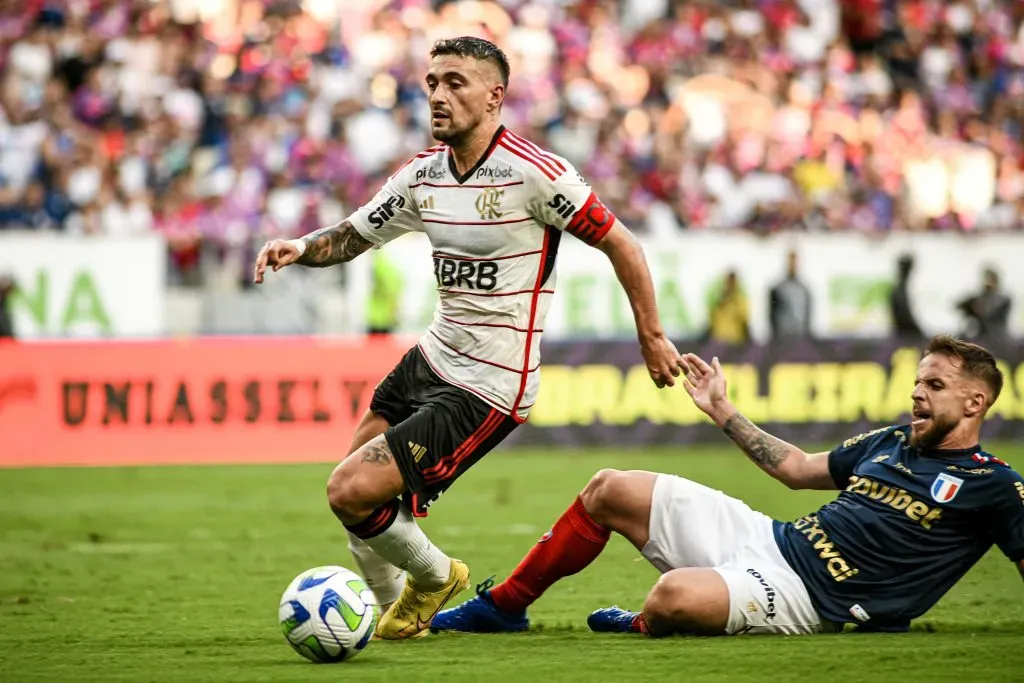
(945, 487)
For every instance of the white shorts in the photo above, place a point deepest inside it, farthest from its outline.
(695, 526)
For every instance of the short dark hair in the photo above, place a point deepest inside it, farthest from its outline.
(477, 48)
(975, 361)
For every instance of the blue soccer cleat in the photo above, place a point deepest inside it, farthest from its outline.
(480, 615)
(614, 620)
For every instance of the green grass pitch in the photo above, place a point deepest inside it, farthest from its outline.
(174, 574)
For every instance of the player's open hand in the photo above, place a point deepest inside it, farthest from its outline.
(704, 383)
(663, 361)
(277, 254)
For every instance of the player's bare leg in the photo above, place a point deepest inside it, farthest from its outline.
(363, 493)
(621, 502)
(385, 579)
(690, 600)
(611, 501)
(684, 600)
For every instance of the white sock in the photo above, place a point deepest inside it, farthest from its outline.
(384, 579)
(405, 545)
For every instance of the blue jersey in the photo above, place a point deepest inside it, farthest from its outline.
(905, 528)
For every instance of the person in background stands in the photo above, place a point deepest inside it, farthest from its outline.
(7, 287)
(729, 315)
(790, 305)
(385, 295)
(904, 326)
(988, 311)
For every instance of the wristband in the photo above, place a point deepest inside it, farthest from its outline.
(299, 244)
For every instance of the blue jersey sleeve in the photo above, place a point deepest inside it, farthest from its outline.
(844, 458)
(1006, 521)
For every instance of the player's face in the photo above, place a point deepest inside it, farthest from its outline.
(462, 91)
(940, 396)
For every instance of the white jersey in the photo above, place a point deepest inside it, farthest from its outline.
(494, 233)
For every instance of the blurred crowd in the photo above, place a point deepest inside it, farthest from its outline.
(220, 123)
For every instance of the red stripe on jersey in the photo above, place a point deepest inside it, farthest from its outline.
(485, 399)
(533, 316)
(478, 360)
(453, 257)
(537, 150)
(545, 171)
(444, 466)
(492, 420)
(518, 291)
(465, 187)
(592, 222)
(415, 505)
(501, 325)
(464, 452)
(422, 155)
(516, 220)
(521, 146)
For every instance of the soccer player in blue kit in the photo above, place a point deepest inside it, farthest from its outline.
(919, 505)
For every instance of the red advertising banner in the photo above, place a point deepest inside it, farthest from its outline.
(274, 399)
(210, 400)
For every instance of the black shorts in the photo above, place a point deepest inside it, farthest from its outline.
(437, 432)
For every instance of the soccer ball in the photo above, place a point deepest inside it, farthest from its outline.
(328, 614)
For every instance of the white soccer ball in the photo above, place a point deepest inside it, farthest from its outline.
(328, 614)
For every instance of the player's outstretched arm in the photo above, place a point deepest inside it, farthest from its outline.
(627, 257)
(791, 465)
(324, 247)
(332, 245)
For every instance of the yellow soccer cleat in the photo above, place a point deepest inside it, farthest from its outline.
(411, 614)
(422, 634)
(384, 610)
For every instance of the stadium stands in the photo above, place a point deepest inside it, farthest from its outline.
(220, 124)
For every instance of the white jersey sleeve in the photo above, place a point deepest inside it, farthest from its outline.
(391, 213)
(561, 198)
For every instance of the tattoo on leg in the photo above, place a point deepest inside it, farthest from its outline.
(761, 447)
(377, 452)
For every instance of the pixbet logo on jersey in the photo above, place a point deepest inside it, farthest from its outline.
(768, 591)
(498, 173)
(386, 211)
(429, 173)
(900, 499)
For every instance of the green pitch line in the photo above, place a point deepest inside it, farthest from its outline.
(174, 574)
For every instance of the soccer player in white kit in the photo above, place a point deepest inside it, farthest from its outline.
(494, 206)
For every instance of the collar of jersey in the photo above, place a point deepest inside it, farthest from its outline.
(942, 452)
(483, 158)
(951, 452)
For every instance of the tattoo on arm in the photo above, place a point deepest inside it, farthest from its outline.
(333, 245)
(763, 448)
(377, 452)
